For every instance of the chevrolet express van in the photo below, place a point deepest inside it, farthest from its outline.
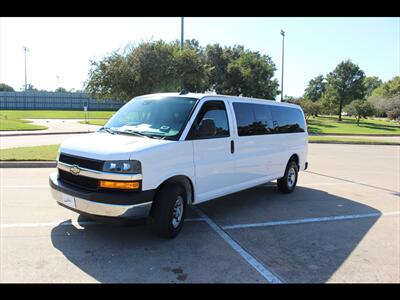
(160, 153)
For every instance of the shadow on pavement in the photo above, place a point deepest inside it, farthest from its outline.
(309, 252)
(297, 253)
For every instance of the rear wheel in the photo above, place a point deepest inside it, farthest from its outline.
(170, 210)
(288, 182)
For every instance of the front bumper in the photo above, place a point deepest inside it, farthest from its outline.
(135, 205)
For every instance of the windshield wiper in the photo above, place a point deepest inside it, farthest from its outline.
(133, 132)
(109, 130)
(158, 137)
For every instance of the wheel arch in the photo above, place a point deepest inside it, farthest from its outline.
(182, 180)
(296, 159)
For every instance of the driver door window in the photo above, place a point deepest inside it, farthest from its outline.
(211, 122)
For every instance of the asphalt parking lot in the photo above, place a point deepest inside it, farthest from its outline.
(342, 224)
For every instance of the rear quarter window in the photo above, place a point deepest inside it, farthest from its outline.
(288, 119)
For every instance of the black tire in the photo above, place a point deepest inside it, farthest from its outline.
(164, 210)
(285, 184)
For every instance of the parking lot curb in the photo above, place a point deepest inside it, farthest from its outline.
(355, 134)
(352, 143)
(28, 164)
(44, 133)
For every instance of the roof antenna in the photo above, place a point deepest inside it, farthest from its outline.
(184, 92)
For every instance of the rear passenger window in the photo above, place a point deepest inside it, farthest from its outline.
(253, 119)
(245, 119)
(263, 118)
(259, 119)
(287, 119)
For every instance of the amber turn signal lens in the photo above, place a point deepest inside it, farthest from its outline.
(124, 185)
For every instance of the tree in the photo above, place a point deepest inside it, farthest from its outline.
(344, 84)
(371, 83)
(60, 90)
(190, 66)
(29, 88)
(251, 76)
(388, 89)
(218, 60)
(394, 114)
(310, 108)
(315, 88)
(111, 77)
(152, 67)
(392, 107)
(386, 97)
(360, 109)
(5, 88)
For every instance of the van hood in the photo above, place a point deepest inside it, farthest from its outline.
(106, 146)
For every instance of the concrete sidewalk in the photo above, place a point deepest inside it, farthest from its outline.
(369, 137)
(34, 140)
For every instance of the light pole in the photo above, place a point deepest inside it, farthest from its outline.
(283, 58)
(181, 33)
(182, 80)
(25, 49)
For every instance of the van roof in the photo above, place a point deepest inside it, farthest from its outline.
(228, 97)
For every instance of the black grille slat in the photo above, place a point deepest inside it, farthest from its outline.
(82, 162)
(79, 181)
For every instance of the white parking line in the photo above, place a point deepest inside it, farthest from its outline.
(310, 220)
(23, 186)
(326, 183)
(49, 224)
(69, 223)
(315, 184)
(243, 253)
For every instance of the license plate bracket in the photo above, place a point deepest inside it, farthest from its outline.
(68, 200)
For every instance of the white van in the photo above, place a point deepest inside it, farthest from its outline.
(162, 152)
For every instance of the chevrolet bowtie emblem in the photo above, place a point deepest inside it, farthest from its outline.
(75, 170)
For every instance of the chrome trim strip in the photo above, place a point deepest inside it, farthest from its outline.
(100, 174)
(104, 209)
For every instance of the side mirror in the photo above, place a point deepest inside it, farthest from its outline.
(207, 128)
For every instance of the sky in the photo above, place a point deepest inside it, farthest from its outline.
(60, 49)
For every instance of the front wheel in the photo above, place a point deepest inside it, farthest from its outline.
(170, 210)
(288, 182)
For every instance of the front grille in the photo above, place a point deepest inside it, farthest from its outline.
(83, 182)
(81, 161)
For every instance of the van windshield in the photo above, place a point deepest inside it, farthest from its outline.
(153, 116)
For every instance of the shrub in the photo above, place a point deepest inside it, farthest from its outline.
(359, 109)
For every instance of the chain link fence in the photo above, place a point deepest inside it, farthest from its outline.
(55, 101)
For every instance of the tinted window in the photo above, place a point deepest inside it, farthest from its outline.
(212, 110)
(253, 119)
(245, 119)
(287, 119)
(263, 118)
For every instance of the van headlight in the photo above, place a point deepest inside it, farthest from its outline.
(123, 166)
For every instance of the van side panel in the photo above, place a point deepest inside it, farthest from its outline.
(161, 163)
(266, 155)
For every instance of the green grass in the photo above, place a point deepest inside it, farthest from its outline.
(13, 119)
(344, 140)
(100, 122)
(6, 125)
(330, 125)
(55, 114)
(48, 152)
